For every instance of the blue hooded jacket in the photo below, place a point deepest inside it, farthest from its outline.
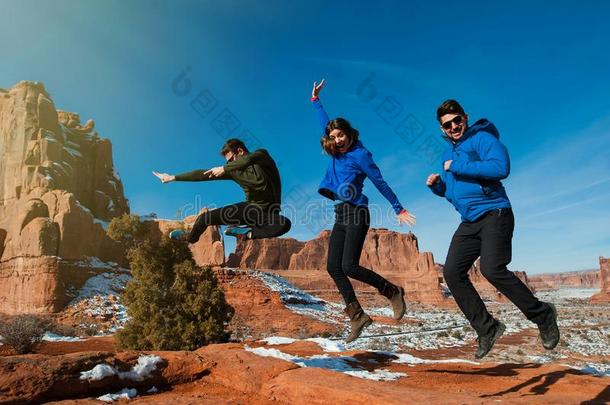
(346, 172)
(479, 162)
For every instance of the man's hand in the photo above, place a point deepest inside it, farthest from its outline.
(433, 178)
(447, 165)
(406, 217)
(316, 89)
(216, 171)
(164, 177)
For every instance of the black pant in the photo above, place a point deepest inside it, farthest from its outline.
(265, 223)
(344, 249)
(489, 237)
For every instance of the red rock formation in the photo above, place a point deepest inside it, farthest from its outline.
(209, 249)
(267, 254)
(575, 279)
(604, 294)
(484, 287)
(394, 255)
(58, 189)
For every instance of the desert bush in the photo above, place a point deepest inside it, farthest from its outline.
(24, 332)
(172, 303)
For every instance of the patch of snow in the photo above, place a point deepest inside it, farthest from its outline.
(340, 364)
(405, 358)
(563, 294)
(73, 152)
(142, 370)
(145, 366)
(152, 390)
(103, 284)
(331, 346)
(377, 375)
(98, 373)
(52, 337)
(125, 393)
(278, 340)
(104, 224)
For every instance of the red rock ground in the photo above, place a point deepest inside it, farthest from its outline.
(227, 374)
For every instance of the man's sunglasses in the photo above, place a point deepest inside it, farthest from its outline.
(456, 120)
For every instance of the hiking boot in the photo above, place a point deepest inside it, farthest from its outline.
(358, 319)
(178, 235)
(396, 295)
(549, 331)
(486, 342)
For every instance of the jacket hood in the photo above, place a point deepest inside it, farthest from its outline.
(481, 125)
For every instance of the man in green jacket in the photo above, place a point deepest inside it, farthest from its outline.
(256, 218)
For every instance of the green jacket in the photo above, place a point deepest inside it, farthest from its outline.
(255, 172)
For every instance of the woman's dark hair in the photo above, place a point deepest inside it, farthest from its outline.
(344, 126)
(449, 107)
(231, 145)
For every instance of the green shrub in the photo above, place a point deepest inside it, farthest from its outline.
(172, 303)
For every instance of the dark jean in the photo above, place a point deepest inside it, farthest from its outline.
(265, 223)
(344, 248)
(489, 237)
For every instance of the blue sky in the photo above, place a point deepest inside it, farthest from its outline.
(538, 71)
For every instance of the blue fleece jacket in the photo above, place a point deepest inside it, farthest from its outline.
(479, 162)
(346, 172)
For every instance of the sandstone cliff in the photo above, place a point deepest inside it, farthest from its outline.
(575, 279)
(604, 294)
(394, 255)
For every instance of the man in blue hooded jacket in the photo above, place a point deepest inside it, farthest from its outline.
(473, 166)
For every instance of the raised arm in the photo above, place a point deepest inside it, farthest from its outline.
(317, 105)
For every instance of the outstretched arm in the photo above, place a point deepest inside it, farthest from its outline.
(245, 161)
(372, 171)
(317, 105)
(195, 175)
(494, 163)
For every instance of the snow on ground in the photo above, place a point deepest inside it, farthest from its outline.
(52, 337)
(344, 364)
(585, 328)
(145, 366)
(566, 293)
(99, 297)
(125, 393)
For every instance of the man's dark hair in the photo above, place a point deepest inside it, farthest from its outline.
(449, 107)
(232, 145)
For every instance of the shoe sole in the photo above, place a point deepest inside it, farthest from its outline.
(499, 332)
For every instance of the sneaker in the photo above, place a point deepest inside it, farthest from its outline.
(549, 331)
(178, 235)
(486, 342)
(237, 231)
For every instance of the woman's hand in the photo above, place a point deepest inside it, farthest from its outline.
(164, 177)
(406, 217)
(316, 89)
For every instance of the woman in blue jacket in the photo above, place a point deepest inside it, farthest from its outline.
(350, 164)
